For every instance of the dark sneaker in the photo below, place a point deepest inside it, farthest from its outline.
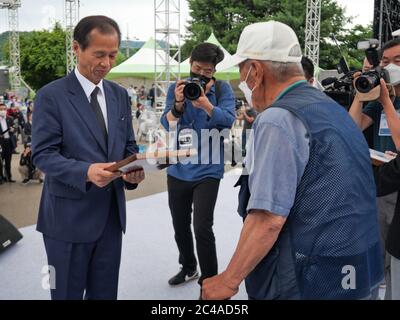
(25, 181)
(182, 277)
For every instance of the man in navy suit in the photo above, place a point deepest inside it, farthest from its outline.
(81, 125)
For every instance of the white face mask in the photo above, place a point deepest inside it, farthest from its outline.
(248, 93)
(3, 114)
(394, 73)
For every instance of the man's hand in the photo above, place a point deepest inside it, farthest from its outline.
(135, 177)
(384, 98)
(203, 103)
(218, 288)
(100, 177)
(179, 97)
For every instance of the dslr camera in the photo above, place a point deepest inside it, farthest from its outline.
(193, 88)
(369, 80)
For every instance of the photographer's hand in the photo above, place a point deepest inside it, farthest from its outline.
(384, 98)
(179, 97)
(391, 114)
(179, 101)
(362, 120)
(203, 103)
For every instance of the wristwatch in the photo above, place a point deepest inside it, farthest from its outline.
(175, 112)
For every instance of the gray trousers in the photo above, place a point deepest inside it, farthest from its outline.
(395, 279)
(386, 207)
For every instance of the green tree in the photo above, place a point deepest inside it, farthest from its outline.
(349, 42)
(120, 58)
(228, 18)
(42, 56)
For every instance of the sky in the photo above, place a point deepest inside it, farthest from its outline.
(135, 16)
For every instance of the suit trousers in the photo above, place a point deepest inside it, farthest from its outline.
(7, 147)
(203, 196)
(87, 270)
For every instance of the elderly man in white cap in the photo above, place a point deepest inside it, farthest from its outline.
(311, 231)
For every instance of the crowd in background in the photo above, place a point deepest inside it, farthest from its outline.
(16, 131)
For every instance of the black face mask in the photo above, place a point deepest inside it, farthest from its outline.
(204, 79)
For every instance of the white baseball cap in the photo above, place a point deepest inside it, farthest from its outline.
(272, 41)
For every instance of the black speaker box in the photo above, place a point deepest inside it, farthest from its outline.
(9, 235)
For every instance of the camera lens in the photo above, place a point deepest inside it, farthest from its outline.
(367, 82)
(192, 91)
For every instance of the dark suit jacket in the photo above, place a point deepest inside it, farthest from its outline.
(387, 178)
(10, 123)
(66, 140)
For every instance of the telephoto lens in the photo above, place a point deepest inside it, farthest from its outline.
(368, 81)
(192, 89)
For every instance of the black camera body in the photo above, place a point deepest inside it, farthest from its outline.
(193, 88)
(369, 80)
(340, 89)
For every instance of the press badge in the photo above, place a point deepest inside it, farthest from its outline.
(384, 130)
(185, 138)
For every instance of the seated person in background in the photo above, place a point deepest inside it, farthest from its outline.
(26, 168)
(387, 178)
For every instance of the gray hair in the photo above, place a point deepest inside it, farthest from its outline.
(282, 71)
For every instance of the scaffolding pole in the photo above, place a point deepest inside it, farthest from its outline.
(313, 24)
(167, 36)
(71, 19)
(15, 63)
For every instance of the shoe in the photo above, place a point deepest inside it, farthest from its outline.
(182, 277)
(25, 181)
(11, 180)
(40, 180)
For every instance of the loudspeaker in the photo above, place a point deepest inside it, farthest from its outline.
(9, 235)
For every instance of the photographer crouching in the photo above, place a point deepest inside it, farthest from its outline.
(198, 103)
(372, 115)
(26, 168)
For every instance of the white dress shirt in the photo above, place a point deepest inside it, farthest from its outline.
(4, 127)
(88, 87)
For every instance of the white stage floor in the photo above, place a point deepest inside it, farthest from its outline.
(149, 253)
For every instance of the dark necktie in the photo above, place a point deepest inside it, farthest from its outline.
(99, 114)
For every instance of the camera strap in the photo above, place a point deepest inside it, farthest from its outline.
(218, 85)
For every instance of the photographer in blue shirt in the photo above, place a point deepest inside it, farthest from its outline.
(197, 184)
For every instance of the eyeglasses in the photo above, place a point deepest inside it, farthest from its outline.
(202, 71)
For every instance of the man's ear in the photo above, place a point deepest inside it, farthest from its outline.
(257, 73)
(75, 47)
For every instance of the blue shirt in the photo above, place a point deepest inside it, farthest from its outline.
(223, 116)
(374, 111)
(279, 152)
